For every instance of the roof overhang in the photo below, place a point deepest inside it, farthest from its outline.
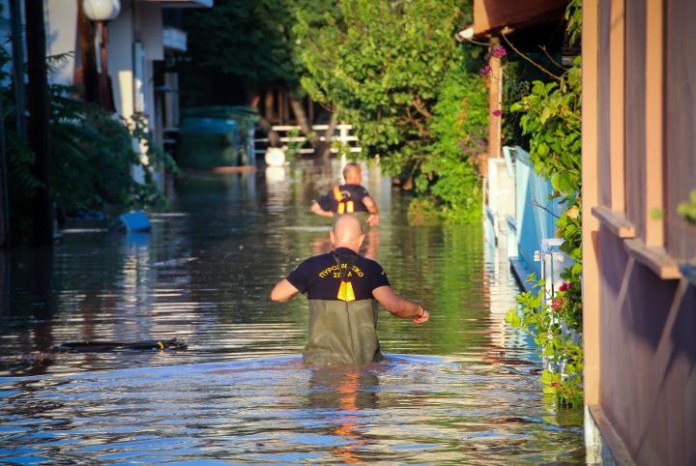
(493, 16)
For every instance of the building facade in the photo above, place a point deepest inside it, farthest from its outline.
(140, 46)
(639, 227)
(639, 292)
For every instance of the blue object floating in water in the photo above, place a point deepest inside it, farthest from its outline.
(136, 220)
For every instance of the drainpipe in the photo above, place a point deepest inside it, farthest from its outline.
(18, 68)
(495, 98)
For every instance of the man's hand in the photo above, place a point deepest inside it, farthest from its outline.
(373, 219)
(424, 316)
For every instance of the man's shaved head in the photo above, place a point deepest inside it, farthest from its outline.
(347, 232)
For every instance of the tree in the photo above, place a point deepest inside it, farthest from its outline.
(381, 65)
(459, 129)
(255, 43)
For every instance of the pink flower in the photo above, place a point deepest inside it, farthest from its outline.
(557, 304)
(554, 384)
(499, 51)
(564, 286)
(497, 112)
(485, 70)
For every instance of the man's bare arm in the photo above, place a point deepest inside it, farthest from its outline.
(283, 291)
(371, 207)
(399, 306)
(316, 208)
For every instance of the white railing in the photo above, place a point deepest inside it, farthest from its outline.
(290, 136)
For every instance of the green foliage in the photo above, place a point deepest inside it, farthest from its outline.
(92, 155)
(88, 142)
(381, 66)
(556, 325)
(253, 41)
(656, 213)
(424, 211)
(573, 16)
(459, 128)
(688, 209)
(395, 73)
(293, 151)
(343, 149)
(516, 85)
(551, 118)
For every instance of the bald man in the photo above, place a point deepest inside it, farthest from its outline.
(343, 289)
(348, 198)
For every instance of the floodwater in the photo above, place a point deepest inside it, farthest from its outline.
(461, 389)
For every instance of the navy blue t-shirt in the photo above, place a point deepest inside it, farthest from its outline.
(320, 276)
(352, 194)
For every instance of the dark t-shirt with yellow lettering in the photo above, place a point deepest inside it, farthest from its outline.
(341, 275)
(344, 199)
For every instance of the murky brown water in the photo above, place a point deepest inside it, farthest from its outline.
(462, 389)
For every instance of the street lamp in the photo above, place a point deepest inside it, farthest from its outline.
(101, 11)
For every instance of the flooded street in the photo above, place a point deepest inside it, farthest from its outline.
(461, 389)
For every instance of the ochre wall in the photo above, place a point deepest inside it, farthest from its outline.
(648, 357)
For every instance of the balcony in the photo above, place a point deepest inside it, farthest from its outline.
(182, 3)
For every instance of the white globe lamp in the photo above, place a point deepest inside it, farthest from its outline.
(101, 10)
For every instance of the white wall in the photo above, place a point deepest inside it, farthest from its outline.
(120, 53)
(61, 38)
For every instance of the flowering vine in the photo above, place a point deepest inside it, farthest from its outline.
(551, 118)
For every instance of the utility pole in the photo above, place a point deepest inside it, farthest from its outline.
(18, 68)
(38, 129)
(20, 115)
(4, 201)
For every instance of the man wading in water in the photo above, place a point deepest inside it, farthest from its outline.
(348, 198)
(343, 289)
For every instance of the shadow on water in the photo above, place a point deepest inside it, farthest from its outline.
(462, 389)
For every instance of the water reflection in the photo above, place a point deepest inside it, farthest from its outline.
(278, 411)
(344, 390)
(462, 389)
